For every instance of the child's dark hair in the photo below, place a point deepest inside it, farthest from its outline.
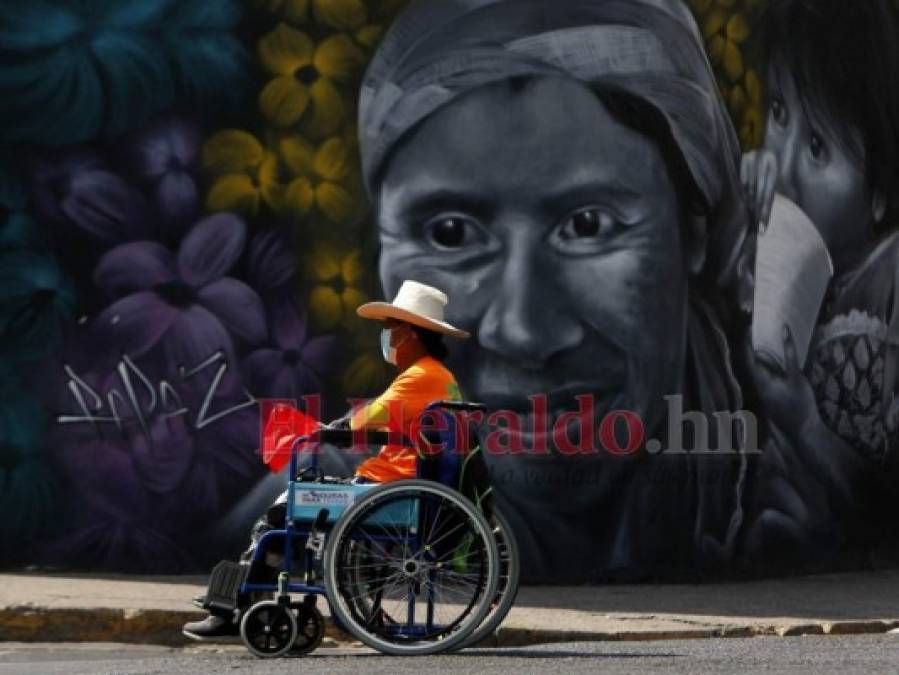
(844, 58)
(432, 342)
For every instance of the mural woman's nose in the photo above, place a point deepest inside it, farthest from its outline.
(525, 320)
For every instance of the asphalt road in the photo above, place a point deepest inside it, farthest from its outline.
(819, 655)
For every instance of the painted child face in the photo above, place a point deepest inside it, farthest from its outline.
(815, 169)
(556, 232)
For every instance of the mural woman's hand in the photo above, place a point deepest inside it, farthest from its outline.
(820, 460)
(758, 174)
(786, 395)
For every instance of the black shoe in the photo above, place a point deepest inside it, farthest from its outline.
(212, 627)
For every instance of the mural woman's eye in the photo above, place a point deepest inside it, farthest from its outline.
(449, 231)
(779, 111)
(588, 223)
(817, 147)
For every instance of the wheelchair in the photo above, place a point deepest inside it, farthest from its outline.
(411, 567)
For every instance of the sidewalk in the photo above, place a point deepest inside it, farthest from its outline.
(83, 608)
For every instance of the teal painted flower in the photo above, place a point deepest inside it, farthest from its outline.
(36, 303)
(77, 71)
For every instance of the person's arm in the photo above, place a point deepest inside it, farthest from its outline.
(390, 408)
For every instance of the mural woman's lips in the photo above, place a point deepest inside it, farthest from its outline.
(555, 403)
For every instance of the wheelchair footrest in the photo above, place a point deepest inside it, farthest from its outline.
(224, 585)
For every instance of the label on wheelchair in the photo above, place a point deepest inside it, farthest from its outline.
(310, 498)
(323, 498)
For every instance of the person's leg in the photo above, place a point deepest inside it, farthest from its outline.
(222, 620)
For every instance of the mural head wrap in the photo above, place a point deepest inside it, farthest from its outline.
(651, 50)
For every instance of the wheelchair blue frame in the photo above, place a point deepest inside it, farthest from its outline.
(292, 532)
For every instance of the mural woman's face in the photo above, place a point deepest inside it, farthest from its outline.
(555, 231)
(815, 170)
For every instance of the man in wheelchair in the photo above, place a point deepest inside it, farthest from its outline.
(412, 340)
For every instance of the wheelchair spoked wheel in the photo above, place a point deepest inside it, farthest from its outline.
(509, 573)
(411, 568)
(269, 629)
(310, 629)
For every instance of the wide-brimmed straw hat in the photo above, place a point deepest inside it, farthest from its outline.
(415, 303)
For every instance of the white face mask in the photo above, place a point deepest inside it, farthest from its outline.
(388, 352)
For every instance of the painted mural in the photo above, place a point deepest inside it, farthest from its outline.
(679, 213)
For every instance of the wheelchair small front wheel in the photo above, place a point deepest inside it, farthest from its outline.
(310, 629)
(269, 629)
(411, 568)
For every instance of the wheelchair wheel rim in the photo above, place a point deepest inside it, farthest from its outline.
(268, 629)
(421, 588)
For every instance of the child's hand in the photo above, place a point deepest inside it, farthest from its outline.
(758, 174)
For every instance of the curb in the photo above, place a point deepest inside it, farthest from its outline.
(28, 623)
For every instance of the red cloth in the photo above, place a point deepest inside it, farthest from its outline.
(285, 423)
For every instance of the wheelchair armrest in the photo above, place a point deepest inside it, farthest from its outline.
(459, 405)
(346, 438)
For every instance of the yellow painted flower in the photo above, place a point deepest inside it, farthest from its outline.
(724, 32)
(306, 78)
(320, 178)
(752, 121)
(246, 173)
(366, 375)
(335, 293)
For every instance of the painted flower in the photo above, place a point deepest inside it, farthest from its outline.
(306, 79)
(165, 156)
(294, 364)
(184, 299)
(320, 178)
(87, 70)
(246, 173)
(747, 108)
(366, 375)
(17, 227)
(36, 303)
(272, 264)
(50, 174)
(335, 293)
(725, 31)
(118, 524)
(131, 486)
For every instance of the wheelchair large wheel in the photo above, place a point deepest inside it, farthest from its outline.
(507, 587)
(411, 568)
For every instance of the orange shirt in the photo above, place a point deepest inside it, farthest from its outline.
(425, 381)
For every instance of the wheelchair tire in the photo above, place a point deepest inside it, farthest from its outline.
(269, 629)
(310, 629)
(438, 583)
(509, 574)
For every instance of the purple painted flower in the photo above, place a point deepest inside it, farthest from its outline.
(293, 366)
(272, 265)
(183, 300)
(165, 156)
(79, 187)
(160, 485)
(51, 178)
(116, 524)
